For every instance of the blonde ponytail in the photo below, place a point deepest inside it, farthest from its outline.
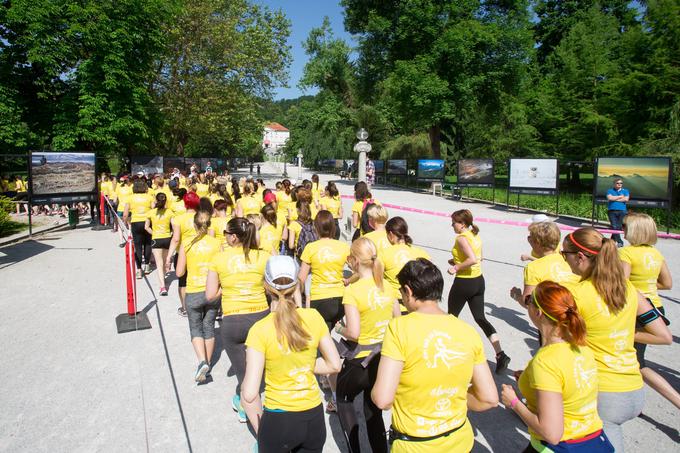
(201, 223)
(287, 320)
(366, 254)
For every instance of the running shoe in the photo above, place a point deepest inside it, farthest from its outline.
(236, 406)
(140, 274)
(502, 361)
(182, 312)
(163, 292)
(201, 372)
(121, 245)
(147, 268)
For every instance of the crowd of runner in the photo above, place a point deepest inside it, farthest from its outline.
(305, 310)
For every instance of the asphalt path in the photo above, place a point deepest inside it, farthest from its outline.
(71, 383)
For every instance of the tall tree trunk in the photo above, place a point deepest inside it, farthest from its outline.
(435, 141)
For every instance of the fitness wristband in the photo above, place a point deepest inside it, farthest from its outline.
(514, 402)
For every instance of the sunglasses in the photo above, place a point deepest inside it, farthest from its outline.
(564, 253)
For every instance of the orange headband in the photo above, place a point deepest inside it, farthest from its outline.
(573, 239)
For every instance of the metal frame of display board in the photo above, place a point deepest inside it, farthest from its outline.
(651, 203)
(535, 191)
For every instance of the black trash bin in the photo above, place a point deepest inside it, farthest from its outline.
(72, 217)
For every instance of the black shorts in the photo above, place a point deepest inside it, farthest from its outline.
(163, 243)
(21, 196)
(292, 431)
(181, 281)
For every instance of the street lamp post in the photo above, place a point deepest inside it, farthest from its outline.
(299, 158)
(362, 147)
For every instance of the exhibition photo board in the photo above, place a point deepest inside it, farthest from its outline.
(61, 177)
(149, 165)
(430, 170)
(475, 173)
(379, 166)
(533, 176)
(648, 179)
(397, 167)
(172, 163)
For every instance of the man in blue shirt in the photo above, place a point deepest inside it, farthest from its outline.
(617, 197)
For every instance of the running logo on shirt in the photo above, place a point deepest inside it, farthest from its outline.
(438, 350)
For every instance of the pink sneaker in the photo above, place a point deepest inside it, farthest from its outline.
(164, 292)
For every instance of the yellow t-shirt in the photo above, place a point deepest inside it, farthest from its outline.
(242, 282)
(316, 192)
(199, 257)
(459, 256)
(270, 239)
(106, 188)
(550, 267)
(282, 201)
(178, 207)
(249, 205)
(214, 197)
(218, 225)
(185, 223)
(294, 228)
(439, 353)
(20, 186)
(645, 266)
(375, 309)
(327, 258)
(610, 336)
(331, 205)
(160, 223)
(571, 371)
(379, 238)
(290, 384)
(202, 189)
(140, 205)
(395, 257)
(123, 193)
(165, 189)
(281, 222)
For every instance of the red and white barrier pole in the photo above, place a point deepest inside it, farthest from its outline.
(102, 209)
(130, 281)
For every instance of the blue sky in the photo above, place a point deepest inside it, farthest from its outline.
(305, 15)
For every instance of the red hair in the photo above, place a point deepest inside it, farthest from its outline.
(558, 304)
(192, 201)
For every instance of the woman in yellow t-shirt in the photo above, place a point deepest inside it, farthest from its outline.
(544, 238)
(283, 196)
(560, 381)
(362, 197)
(194, 260)
(610, 306)
(136, 208)
(432, 370)
(158, 225)
(222, 215)
(331, 202)
(303, 219)
(248, 203)
(468, 286)
(377, 217)
(183, 232)
(270, 236)
(236, 273)
(648, 271)
(325, 258)
(369, 306)
(284, 346)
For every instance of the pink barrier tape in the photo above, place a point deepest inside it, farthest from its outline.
(504, 222)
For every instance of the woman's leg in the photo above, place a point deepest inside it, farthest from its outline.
(195, 316)
(458, 296)
(616, 408)
(476, 303)
(352, 380)
(159, 256)
(375, 426)
(147, 248)
(209, 316)
(234, 333)
(138, 233)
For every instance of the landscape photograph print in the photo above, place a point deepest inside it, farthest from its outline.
(647, 178)
(149, 165)
(430, 169)
(397, 167)
(62, 173)
(475, 171)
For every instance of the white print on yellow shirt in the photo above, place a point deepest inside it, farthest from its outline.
(402, 257)
(377, 299)
(437, 350)
(434, 427)
(650, 263)
(583, 378)
(326, 255)
(626, 361)
(558, 273)
(301, 377)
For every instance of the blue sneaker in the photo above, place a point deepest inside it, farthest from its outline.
(236, 405)
(201, 372)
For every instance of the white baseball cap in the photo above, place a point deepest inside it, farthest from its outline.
(536, 218)
(281, 266)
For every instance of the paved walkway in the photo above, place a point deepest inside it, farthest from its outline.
(71, 383)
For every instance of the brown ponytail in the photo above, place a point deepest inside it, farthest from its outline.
(606, 269)
(287, 321)
(246, 232)
(464, 216)
(398, 227)
(557, 303)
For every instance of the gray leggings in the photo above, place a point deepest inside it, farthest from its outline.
(201, 314)
(616, 408)
(235, 330)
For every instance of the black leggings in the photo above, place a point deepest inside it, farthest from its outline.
(142, 241)
(470, 290)
(301, 432)
(331, 310)
(352, 380)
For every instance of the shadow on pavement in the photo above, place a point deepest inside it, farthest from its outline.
(671, 432)
(17, 253)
